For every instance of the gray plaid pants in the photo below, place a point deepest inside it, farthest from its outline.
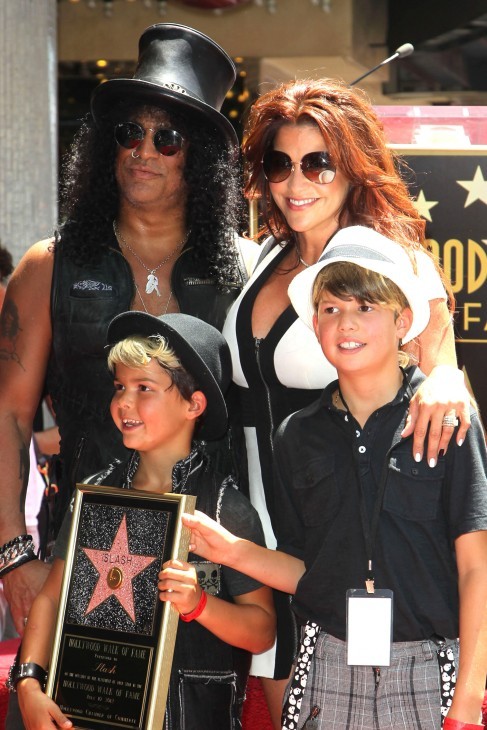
(405, 696)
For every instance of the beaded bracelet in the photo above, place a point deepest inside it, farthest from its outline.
(450, 724)
(197, 611)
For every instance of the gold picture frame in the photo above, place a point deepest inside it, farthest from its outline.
(114, 639)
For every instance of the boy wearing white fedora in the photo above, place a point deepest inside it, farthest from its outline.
(386, 556)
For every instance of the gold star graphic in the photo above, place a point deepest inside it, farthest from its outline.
(424, 206)
(116, 567)
(477, 188)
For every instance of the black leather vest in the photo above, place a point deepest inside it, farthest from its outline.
(84, 299)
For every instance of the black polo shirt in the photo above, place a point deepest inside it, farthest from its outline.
(325, 461)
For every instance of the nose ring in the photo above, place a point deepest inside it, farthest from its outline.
(136, 157)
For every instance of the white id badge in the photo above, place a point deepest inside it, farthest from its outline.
(369, 627)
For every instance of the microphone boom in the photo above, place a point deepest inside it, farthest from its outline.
(405, 50)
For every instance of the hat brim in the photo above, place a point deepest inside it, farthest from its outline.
(301, 289)
(145, 325)
(108, 94)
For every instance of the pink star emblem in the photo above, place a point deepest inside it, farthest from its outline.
(116, 567)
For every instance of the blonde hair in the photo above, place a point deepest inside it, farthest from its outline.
(137, 352)
(347, 280)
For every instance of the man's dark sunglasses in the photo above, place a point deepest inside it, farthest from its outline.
(315, 166)
(166, 141)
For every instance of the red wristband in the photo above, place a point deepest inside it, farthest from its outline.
(450, 724)
(200, 607)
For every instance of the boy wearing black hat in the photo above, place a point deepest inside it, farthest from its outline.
(170, 374)
(150, 204)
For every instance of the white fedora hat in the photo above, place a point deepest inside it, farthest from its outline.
(370, 250)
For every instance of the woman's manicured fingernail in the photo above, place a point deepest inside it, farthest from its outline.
(460, 442)
(417, 457)
(432, 462)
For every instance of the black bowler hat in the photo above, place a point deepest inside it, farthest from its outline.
(202, 350)
(178, 68)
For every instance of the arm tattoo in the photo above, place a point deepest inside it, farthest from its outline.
(9, 330)
(24, 465)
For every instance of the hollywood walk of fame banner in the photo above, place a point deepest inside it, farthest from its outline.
(446, 150)
(450, 191)
(114, 639)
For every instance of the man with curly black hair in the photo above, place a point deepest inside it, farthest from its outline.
(150, 206)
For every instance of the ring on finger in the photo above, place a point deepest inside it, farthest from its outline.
(450, 420)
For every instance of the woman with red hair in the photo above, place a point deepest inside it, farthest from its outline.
(317, 161)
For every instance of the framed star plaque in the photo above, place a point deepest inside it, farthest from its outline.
(114, 639)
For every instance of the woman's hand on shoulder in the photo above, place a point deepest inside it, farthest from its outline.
(441, 402)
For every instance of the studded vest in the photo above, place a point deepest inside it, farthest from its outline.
(84, 300)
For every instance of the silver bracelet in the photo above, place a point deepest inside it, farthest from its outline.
(14, 547)
(25, 557)
(15, 553)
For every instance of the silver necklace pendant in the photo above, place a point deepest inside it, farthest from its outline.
(152, 284)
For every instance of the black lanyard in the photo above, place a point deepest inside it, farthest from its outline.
(371, 526)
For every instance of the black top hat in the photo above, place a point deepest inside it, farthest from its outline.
(202, 350)
(178, 67)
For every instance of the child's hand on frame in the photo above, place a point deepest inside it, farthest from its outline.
(178, 583)
(209, 539)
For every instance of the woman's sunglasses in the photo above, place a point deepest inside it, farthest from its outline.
(315, 166)
(166, 141)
